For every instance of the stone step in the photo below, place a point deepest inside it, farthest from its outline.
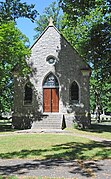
(51, 121)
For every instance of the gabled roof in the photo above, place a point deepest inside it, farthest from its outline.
(50, 25)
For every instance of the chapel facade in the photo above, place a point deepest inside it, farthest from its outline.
(57, 91)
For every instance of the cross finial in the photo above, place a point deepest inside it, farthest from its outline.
(51, 22)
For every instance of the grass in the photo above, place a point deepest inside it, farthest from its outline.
(52, 146)
(8, 177)
(102, 130)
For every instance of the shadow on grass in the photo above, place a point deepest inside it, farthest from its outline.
(7, 130)
(71, 156)
(68, 151)
(22, 154)
(74, 156)
(99, 128)
(82, 151)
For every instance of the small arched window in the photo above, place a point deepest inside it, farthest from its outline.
(28, 93)
(74, 92)
(50, 81)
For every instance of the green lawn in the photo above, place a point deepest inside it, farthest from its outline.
(58, 146)
(102, 130)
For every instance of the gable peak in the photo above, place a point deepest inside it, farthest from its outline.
(51, 21)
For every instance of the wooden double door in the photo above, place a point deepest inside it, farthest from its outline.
(51, 99)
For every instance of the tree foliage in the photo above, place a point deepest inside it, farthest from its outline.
(13, 9)
(87, 25)
(13, 51)
(82, 8)
(13, 47)
(53, 10)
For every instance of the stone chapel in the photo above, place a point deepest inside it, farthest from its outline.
(57, 91)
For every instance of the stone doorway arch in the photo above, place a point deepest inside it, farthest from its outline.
(50, 94)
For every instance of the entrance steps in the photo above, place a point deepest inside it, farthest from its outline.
(48, 121)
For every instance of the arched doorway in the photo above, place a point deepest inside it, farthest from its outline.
(51, 94)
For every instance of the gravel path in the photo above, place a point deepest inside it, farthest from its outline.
(58, 131)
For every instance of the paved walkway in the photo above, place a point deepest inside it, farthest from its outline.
(59, 131)
(56, 168)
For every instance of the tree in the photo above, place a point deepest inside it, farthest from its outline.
(13, 9)
(90, 34)
(13, 51)
(100, 50)
(13, 47)
(42, 22)
(81, 8)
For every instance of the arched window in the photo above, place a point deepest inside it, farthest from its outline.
(50, 81)
(28, 93)
(74, 92)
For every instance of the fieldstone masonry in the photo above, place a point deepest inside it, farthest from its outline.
(67, 68)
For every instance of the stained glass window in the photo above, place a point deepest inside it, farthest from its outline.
(51, 81)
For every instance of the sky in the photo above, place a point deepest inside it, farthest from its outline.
(25, 25)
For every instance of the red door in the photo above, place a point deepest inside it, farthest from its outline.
(51, 99)
(47, 100)
(55, 100)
